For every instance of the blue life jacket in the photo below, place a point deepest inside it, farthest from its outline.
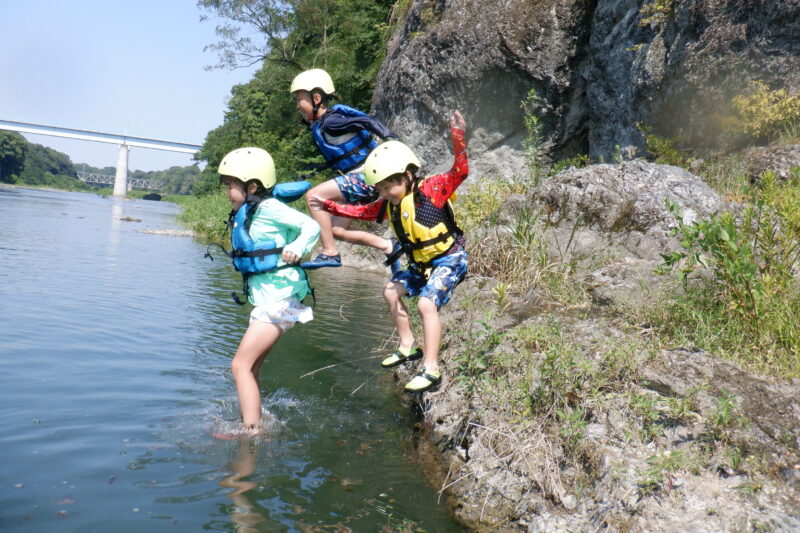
(254, 257)
(248, 255)
(352, 152)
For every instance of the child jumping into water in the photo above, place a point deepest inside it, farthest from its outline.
(344, 136)
(249, 177)
(421, 216)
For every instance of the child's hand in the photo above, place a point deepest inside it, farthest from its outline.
(289, 258)
(316, 203)
(457, 121)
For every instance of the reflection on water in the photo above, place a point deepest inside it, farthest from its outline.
(115, 372)
(245, 514)
(114, 227)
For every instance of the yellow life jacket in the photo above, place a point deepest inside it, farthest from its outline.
(425, 231)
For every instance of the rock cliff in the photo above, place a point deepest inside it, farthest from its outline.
(598, 68)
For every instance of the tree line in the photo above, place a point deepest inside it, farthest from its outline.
(347, 38)
(26, 163)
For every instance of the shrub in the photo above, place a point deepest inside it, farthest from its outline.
(579, 161)
(482, 200)
(663, 150)
(763, 112)
(748, 304)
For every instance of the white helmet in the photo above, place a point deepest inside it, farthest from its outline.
(249, 163)
(313, 79)
(388, 159)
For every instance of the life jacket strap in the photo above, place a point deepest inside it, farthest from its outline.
(253, 253)
(408, 247)
(246, 287)
(218, 245)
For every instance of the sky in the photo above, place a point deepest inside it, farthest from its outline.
(129, 67)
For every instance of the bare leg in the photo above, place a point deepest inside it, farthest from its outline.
(393, 294)
(333, 228)
(256, 343)
(342, 232)
(327, 190)
(432, 330)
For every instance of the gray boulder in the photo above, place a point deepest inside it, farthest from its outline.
(781, 159)
(613, 221)
(623, 205)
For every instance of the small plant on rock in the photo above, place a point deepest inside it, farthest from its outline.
(572, 425)
(646, 408)
(660, 473)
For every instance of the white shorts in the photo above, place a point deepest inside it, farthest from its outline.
(283, 314)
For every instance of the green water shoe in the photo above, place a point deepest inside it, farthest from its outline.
(423, 381)
(399, 357)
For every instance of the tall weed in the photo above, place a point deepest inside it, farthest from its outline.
(748, 305)
(534, 154)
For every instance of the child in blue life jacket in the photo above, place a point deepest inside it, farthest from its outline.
(277, 294)
(422, 218)
(344, 136)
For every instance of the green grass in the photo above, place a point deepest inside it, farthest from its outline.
(205, 215)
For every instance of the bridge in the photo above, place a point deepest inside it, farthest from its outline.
(109, 179)
(124, 142)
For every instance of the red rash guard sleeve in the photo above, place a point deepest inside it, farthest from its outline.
(360, 211)
(440, 188)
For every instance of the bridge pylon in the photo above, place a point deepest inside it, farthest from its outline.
(121, 178)
(125, 142)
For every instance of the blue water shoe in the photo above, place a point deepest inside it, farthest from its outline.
(323, 260)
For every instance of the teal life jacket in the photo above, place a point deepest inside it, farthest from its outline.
(350, 153)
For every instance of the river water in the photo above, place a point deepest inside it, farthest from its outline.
(115, 347)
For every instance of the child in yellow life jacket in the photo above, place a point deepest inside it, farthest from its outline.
(421, 216)
(277, 291)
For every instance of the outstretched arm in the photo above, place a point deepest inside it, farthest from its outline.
(359, 211)
(440, 188)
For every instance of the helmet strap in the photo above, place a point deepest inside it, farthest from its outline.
(315, 106)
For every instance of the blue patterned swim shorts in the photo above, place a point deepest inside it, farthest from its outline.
(448, 271)
(353, 188)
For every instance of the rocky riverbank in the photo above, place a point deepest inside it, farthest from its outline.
(570, 413)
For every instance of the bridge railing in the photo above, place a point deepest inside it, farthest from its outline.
(108, 179)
